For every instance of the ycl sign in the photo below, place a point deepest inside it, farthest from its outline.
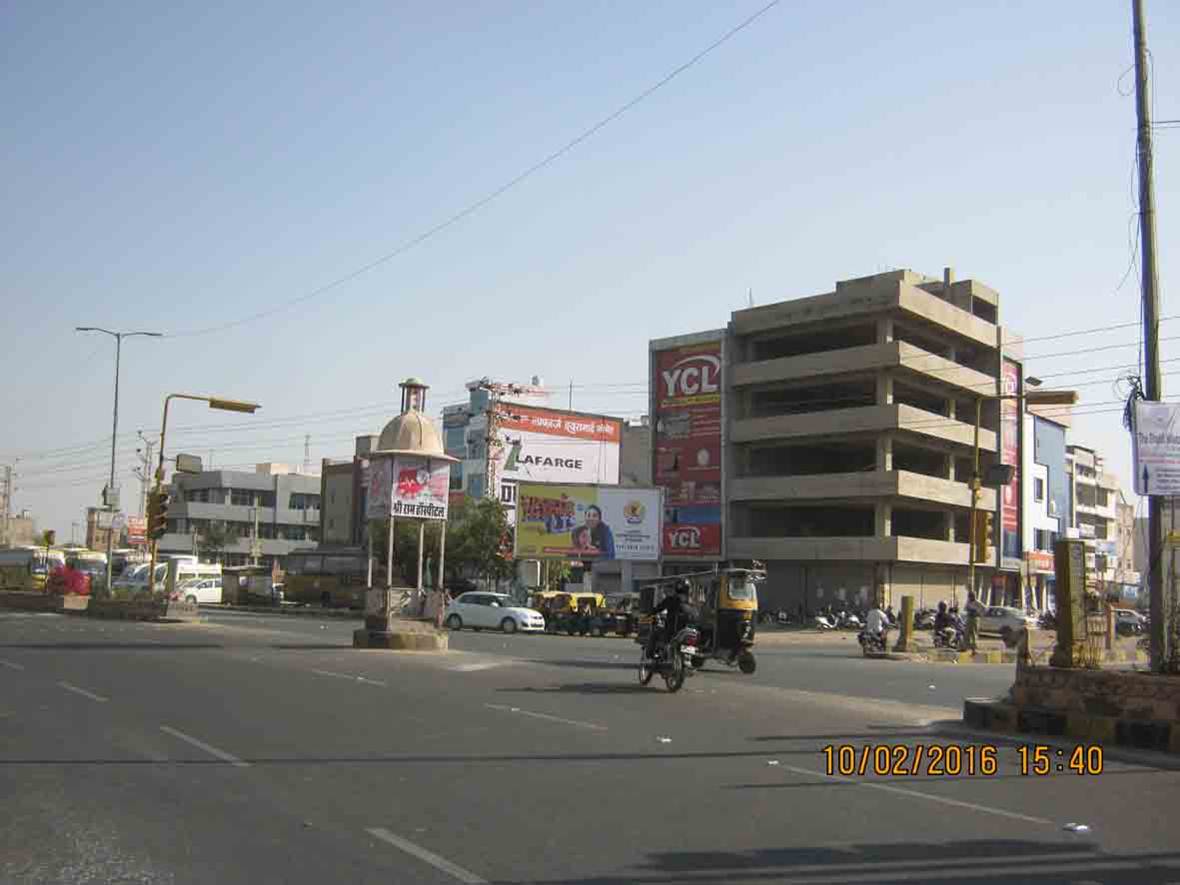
(684, 538)
(695, 375)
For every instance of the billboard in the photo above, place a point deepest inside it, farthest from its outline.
(408, 485)
(1010, 546)
(536, 444)
(687, 442)
(136, 531)
(588, 522)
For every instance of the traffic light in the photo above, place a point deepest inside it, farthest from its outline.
(157, 515)
(981, 544)
(50, 537)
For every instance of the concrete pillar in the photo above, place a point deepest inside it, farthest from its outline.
(884, 330)
(883, 519)
(950, 408)
(884, 389)
(905, 638)
(950, 467)
(885, 452)
(949, 525)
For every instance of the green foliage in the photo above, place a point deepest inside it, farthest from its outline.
(213, 540)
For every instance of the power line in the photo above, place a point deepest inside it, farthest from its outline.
(472, 208)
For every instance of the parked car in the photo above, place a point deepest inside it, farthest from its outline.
(1128, 622)
(1001, 619)
(199, 590)
(493, 611)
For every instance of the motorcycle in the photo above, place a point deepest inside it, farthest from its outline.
(950, 636)
(873, 643)
(825, 622)
(924, 619)
(674, 659)
(850, 621)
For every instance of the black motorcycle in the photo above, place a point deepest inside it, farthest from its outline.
(873, 643)
(674, 659)
(950, 636)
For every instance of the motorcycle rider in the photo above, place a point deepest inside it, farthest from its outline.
(942, 620)
(876, 624)
(677, 613)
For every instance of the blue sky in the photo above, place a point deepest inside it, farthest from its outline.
(176, 167)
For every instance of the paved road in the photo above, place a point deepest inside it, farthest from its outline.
(261, 751)
(786, 660)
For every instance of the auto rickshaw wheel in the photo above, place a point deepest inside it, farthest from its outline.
(746, 663)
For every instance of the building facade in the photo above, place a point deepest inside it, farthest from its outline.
(1046, 502)
(270, 512)
(847, 432)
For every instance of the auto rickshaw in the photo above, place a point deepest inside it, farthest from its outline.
(728, 604)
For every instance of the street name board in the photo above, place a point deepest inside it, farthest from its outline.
(1155, 448)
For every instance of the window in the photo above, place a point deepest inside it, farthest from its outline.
(456, 477)
(475, 485)
(1038, 490)
(304, 501)
(241, 497)
(455, 438)
(1103, 497)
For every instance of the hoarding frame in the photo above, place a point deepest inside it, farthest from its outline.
(612, 489)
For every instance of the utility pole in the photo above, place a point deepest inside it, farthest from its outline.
(4, 536)
(144, 471)
(307, 454)
(1160, 632)
(254, 535)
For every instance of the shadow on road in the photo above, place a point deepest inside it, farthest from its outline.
(112, 646)
(977, 861)
(585, 665)
(584, 688)
(312, 646)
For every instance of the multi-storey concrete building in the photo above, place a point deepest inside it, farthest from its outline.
(848, 427)
(284, 504)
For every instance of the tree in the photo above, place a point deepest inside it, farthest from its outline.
(214, 539)
(479, 540)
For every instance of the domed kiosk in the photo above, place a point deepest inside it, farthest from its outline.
(409, 478)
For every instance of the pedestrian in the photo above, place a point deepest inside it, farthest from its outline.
(974, 610)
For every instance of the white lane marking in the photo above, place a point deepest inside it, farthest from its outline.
(212, 751)
(83, 692)
(439, 863)
(546, 716)
(472, 668)
(12, 665)
(349, 677)
(917, 794)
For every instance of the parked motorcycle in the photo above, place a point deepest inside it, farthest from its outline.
(850, 621)
(825, 622)
(924, 619)
(674, 660)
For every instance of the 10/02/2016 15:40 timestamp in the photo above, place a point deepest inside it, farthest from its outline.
(957, 760)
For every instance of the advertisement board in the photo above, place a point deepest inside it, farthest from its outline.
(136, 531)
(553, 446)
(408, 485)
(587, 522)
(1010, 543)
(687, 442)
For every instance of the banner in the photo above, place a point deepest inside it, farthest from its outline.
(587, 522)
(687, 443)
(136, 531)
(408, 485)
(551, 445)
(378, 485)
(1010, 546)
(421, 487)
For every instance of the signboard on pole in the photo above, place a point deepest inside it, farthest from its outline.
(379, 485)
(1155, 448)
(421, 487)
(686, 385)
(588, 522)
(136, 531)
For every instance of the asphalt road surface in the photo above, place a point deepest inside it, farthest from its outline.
(266, 749)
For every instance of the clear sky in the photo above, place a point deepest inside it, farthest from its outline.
(178, 166)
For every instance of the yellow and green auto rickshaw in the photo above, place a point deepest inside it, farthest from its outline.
(727, 601)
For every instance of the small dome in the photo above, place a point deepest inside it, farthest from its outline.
(412, 433)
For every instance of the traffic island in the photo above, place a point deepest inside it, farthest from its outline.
(386, 630)
(142, 610)
(1119, 707)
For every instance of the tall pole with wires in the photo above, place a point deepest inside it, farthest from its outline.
(1151, 327)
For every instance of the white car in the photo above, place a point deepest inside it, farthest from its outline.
(1002, 619)
(493, 611)
(202, 590)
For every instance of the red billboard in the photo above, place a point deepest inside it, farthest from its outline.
(1010, 546)
(136, 531)
(687, 443)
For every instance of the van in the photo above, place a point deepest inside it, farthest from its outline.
(185, 573)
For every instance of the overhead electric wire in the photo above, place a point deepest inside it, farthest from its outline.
(474, 207)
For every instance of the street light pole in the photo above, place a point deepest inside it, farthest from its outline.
(118, 336)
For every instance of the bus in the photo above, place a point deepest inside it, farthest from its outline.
(27, 568)
(331, 577)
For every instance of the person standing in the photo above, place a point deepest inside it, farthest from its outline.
(974, 612)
